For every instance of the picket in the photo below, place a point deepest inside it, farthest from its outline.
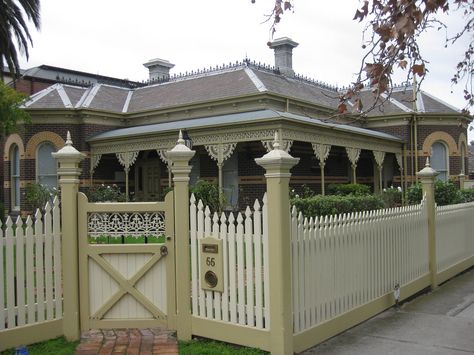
(244, 300)
(30, 269)
(341, 262)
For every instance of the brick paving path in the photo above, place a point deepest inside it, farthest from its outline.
(154, 341)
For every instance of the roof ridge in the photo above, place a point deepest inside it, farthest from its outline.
(64, 96)
(255, 80)
(225, 68)
(40, 94)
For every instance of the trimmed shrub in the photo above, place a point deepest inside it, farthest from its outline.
(102, 193)
(446, 193)
(37, 195)
(466, 195)
(208, 193)
(348, 189)
(329, 205)
(392, 197)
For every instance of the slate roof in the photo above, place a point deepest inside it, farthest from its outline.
(401, 100)
(64, 75)
(223, 83)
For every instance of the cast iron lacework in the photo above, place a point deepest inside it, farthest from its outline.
(128, 224)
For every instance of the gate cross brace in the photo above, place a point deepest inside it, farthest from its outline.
(126, 286)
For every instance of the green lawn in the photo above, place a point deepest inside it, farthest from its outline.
(57, 346)
(202, 347)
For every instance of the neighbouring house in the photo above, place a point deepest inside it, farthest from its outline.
(229, 114)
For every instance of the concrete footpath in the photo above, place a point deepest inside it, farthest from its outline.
(440, 322)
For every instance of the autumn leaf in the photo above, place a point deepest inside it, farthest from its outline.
(418, 69)
(402, 64)
(358, 105)
(341, 108)
(360, 14)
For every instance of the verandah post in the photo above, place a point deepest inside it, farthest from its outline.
(179, 157)
(427, 177)
(69, 171)
(277, 164)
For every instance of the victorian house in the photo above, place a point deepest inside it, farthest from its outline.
(229, 115)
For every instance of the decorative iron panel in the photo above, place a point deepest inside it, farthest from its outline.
(125, 224)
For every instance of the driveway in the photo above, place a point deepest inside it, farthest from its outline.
(439, 322)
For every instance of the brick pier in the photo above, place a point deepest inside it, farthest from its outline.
(154, 341)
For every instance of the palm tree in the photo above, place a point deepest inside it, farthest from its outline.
(13, 26)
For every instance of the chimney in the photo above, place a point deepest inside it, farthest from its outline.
(283, 48)
(158, 69)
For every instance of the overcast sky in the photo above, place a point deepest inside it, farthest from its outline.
(115, 37)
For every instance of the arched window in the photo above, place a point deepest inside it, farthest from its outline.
(15, 177)
(439, 160)
(46, 166)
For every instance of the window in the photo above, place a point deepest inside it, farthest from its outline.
(463, 159)
(439, 160)
(15, 177)
(46, 171)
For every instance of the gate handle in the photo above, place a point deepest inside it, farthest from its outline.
(164, 250)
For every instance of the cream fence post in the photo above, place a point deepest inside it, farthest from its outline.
(427, 177)
(69, 171)
(277, 164)
(462, 180)
(179, 157)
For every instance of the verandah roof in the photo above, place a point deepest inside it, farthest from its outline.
(236, 119)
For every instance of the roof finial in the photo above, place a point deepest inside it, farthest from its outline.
(427, 162)
(276, 141)
(180, 138)
(68, 139)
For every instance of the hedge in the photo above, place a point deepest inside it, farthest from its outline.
(329, 205)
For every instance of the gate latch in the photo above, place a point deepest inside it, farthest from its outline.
(164, 250)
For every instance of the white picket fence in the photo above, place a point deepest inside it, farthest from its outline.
(245, 245)
(345, 261)
(30, 269)
(454, 234)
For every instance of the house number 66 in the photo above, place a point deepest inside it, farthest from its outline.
(210, 261)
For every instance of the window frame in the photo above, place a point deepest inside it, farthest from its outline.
(37, 160)
(446, 150)
(15, 176)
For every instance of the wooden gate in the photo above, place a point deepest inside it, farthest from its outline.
(126, 264)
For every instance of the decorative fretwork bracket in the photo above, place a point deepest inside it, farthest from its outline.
(322, 152)
(220, 152)
(379, 158)
(353, 154)
(95, 160)
(127, 159)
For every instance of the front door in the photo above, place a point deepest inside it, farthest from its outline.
(147, 180)
(152, 176)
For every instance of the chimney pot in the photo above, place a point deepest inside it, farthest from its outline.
(283, 49)
(158, 69)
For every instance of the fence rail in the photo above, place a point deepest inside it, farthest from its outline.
(245, 244)
(342, 262)
(30, 269)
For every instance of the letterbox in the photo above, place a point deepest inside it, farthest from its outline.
(212, 270)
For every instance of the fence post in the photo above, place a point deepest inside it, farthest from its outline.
(427, 177)
(462, 180)
(69, 171)
(277, 164)
(179, 157)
